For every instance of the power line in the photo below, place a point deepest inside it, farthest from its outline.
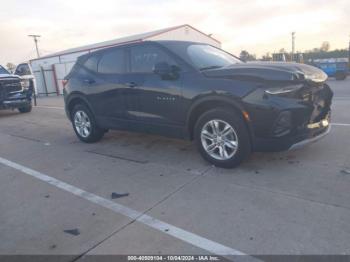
(35, 37)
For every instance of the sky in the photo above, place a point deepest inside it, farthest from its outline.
(258, 26)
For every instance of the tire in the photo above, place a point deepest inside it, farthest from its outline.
(84, 124)
(25, 109)
(340, 76)
(230, 149)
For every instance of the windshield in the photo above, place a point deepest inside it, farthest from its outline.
(3, 70)
(208, 57)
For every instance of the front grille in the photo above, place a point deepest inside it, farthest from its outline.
(7, 86)
(12, 86)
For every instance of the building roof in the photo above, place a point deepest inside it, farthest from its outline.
(119, 41)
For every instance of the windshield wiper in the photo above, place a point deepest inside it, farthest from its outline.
(209, 67)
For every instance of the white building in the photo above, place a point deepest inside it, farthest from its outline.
(51, 69)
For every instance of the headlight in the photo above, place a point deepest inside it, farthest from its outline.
(25, 83)
(283, 90)
(316, 77)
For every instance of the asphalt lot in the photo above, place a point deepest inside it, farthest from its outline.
(294, 202)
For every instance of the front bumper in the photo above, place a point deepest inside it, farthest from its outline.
(281, 122)
(311, 134)
(310, 140)
(16, 100)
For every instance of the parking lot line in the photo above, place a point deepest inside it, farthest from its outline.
(341, 97)
(52, 107)
(186, 236)
(339, 124)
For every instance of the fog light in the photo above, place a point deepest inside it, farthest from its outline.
(324, 122)
(283, 124)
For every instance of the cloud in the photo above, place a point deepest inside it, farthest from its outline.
(258, 26)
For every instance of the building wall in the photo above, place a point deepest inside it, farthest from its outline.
(62, 70)
(44, 77)
(54, 69)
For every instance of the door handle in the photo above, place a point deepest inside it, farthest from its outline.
(131, 84)
(89, 81)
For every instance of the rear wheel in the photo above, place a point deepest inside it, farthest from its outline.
(222, 138)
(84, 125)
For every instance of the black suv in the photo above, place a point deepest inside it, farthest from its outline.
(196, 91)
(13, 95)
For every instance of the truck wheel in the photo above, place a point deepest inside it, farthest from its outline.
(84, 125)
(25, 109)
(222, 138)
(340, 76)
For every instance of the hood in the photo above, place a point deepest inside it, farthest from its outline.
(8, 77)
(26, 77)
(270, 71)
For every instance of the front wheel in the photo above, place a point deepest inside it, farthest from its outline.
(25, 109)
(222, 138)
(84, 125)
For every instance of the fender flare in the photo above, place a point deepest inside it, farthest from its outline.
(80, 96)
(217, 98)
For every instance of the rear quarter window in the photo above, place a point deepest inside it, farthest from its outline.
(91, 63)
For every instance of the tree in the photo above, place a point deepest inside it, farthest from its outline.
(11, 67)
(318, 54)
(325, 46)
(266, 57)
(245, 56)
(282, 50)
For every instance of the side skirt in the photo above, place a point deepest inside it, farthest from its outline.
(171, 131)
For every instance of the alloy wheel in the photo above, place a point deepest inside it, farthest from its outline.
(82, 123)
(219, 139)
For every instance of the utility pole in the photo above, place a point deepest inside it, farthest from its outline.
(293, 45)
(349, 54)
(35, 37)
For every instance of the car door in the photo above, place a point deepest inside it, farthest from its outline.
(106, 90)
(149, 98)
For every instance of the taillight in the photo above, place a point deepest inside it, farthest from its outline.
(64, 82)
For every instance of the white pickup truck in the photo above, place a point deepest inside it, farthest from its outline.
(24, 70)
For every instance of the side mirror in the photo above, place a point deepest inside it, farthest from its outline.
(166, 71)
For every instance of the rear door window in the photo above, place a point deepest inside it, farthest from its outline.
(143, 58)
(112, 62)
